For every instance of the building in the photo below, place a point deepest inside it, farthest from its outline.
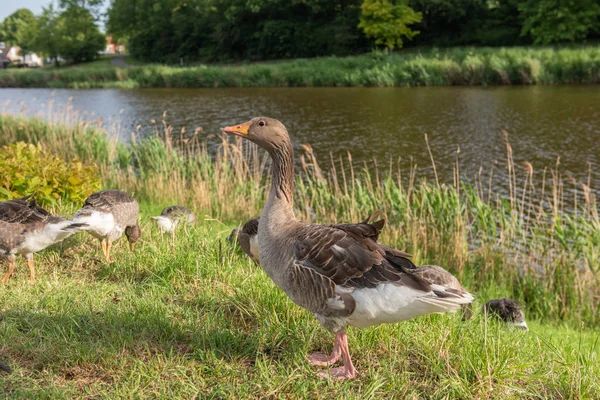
(13, 54)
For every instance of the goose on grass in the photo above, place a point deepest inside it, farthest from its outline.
(338, 272)
(26, 228)
(172, 216)
(108, 214)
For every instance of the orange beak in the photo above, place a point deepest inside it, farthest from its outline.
(240, 130)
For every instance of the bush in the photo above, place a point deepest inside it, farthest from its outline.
(27, 169)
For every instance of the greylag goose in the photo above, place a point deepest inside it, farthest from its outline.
(508, 311)
(247, 237)
(108, 214)
(26, 228)
(171, 216)
(339, 272)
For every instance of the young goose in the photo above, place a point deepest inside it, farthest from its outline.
(26, 228)
(247, 237)
(508, 311)
(338, 272)
(108, 214)
(171, 216)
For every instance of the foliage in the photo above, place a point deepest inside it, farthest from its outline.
(547, 258)
(80, 38)
(70, 33)
(14, 26)
(556, 21)
(27, 169)
(454, 66)
(42, 36)
(387, 23)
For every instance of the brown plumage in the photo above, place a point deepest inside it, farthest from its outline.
(26, 228)
(508, 310)
(109, 214)
(339, 272)
(247, 238)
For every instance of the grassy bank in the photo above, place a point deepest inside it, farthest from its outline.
(189, 319)
(455, 66)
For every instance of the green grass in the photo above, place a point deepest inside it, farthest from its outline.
(199, 319)
(453, 66)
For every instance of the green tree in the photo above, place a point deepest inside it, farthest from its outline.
(387, 22)
(554, 21)
(451, 22)
(43, 35)
(80, 39)
(15, 25)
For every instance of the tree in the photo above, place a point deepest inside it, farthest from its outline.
(554, 21)
(15, 25)
(43, 35)
(80, 38)
(387, 22)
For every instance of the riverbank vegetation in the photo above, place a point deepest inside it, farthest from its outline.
(169, 30)
(188, 318)
(457, 66)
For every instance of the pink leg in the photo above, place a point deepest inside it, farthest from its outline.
(347, 371)
(324, 360)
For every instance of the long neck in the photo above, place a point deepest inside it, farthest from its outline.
(281, 198)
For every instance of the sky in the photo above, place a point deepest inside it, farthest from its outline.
(8, 7)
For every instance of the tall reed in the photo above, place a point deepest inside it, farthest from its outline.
(523, 245)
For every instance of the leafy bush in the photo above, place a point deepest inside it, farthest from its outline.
(26, 168)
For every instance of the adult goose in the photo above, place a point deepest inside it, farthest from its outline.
(247, 238)
(26, 228)
(506, 310)
(340, 272)
(109, 214)
(171, 216)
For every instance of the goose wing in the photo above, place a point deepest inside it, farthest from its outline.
(105, 200)
(330, 261)
(22, 211)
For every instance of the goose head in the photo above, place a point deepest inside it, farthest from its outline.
(133, 234)
(508, 311)
(266, 132)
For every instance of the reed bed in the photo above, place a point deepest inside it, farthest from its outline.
(527, 245)
(411, 67)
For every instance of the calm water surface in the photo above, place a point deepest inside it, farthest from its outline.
(543, 123)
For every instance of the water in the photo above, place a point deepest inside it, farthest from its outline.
(543, 123)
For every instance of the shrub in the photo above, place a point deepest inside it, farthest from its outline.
(27, 169)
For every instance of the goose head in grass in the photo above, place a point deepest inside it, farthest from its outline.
(108, 214)
(507, 310)
(172, 216)
(338, 272)
(247, 238)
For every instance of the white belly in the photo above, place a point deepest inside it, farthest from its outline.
(165, 224)
(100, 225)
(40, 239)
(390, 303)
(254, 246)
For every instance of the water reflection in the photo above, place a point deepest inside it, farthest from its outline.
(543, 123)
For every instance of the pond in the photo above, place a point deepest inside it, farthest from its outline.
(543, 123)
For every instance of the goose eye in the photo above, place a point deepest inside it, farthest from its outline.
(261, 123)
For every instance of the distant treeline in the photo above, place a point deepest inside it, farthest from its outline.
(170, 30)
